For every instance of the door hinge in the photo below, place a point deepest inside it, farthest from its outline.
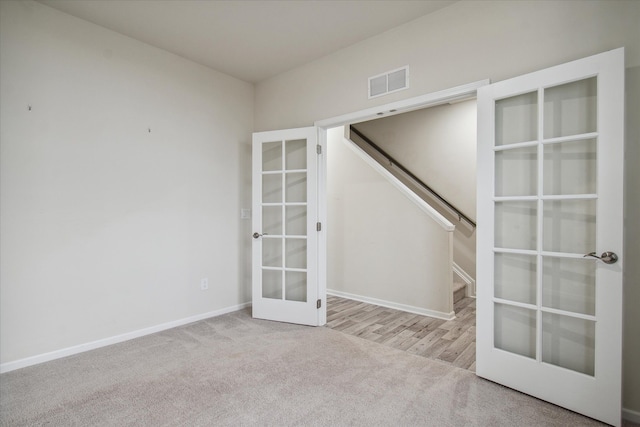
(319, 149)
(319, 303)
(318, 226)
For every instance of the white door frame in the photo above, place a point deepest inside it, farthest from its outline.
(457, 93)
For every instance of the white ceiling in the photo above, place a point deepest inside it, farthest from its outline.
(250, 40)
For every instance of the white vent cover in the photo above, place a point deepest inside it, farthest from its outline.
(389, 82)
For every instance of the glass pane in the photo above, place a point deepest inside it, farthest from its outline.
(517, 119)
(296, 187)
(515, 330)
(272, 220)
(571, 109)
(296, 154)
(569, 226)
(296, 220)
(272, 156)
(296, 286)
(515, 225)
(517, 172)
(515, 277)
(570, 168)
(296, 253)
(271, 252)
(569, 284)
(568, 342)
(272, 284)
(272, 188)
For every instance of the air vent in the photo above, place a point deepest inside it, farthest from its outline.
(389, 82)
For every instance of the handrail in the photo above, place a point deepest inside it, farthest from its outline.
(431, 191)
(410, 194)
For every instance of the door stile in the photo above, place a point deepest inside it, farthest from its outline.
(322, 218)
(312, 234)
(539, 225)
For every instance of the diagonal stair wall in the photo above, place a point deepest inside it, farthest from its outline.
(385, 246)
(438, 146)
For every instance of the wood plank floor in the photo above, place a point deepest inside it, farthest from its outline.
(452, 342)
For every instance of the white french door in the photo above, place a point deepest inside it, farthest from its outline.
(550, 181)
(286, 227)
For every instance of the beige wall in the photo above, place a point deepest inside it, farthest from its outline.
(438, 145)
(107, 228)
(466, 42)
(470, 41)
(379, 243)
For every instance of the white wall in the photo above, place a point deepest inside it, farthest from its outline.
(107, 228)
(380, 244)
(471, 41)
(438, 145)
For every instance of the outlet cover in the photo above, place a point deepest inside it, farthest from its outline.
(204, 284)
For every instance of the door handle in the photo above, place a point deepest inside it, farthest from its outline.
(257, 235)
(606, 257)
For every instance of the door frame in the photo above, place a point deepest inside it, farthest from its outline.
(454, 94)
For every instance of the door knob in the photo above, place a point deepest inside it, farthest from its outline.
(606, 257)
(257, 235)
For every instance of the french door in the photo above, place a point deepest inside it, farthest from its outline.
(550, 181)
(286, 227)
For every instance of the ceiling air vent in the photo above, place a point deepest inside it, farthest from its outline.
(389, 82)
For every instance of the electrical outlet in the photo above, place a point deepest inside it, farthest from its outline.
(245, 213)
(204, 284)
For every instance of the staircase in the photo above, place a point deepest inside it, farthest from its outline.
(420, 189)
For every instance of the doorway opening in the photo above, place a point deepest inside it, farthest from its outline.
(378, 248)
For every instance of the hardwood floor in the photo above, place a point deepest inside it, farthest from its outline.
(452, 342)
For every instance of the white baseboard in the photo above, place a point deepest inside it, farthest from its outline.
(395, 305)
(467, 279)
(69, 351)
(629, 415)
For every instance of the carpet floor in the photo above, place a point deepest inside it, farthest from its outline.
(233, 370)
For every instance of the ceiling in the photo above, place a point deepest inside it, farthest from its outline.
(250, 40)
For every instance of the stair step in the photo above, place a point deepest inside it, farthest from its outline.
(458, 285)
(459, 291)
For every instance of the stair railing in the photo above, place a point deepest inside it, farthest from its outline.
(394, 163)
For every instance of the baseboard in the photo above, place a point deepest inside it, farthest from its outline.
(395, 305)
(467, 279)
(629, 415)
(69, 351)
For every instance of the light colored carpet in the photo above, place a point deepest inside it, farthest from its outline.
(236, 371)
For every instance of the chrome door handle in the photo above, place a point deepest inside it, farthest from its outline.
(257, 235)
(606, 257)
